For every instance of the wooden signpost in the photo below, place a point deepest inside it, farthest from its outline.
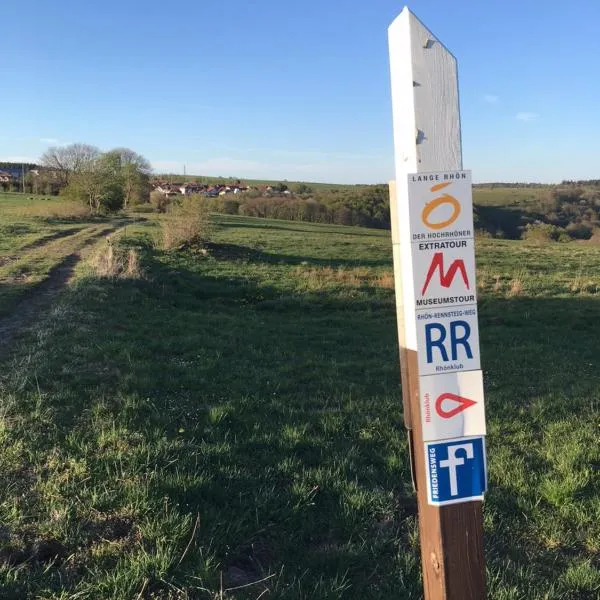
(434, 268)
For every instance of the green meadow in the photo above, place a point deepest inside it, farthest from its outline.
(225, 422)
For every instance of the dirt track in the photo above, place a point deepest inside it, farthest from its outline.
(71, 245)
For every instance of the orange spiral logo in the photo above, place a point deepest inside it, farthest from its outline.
(436, 203)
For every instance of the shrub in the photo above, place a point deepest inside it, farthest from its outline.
(186, 224)
(159, 201)
(579, 231)
(230, 207)
(112, 198)
(542, 232)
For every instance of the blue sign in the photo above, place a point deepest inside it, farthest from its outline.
(456, 470)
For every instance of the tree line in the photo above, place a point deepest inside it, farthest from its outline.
(105, 181)
(364, 206)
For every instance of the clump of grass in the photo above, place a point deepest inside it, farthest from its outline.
(515, 287)
(497, 283)
(386, 280)
(482, 279)
(115, 261)
(187, 224)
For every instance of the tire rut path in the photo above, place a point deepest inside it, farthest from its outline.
(41, 296)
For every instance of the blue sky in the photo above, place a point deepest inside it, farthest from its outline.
(297, 90)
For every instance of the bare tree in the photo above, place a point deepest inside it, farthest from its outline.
(66, 160)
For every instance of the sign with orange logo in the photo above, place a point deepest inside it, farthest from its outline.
(440, 206)
(452, 405)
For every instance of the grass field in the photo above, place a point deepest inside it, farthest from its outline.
(228, 425)
(504, 196)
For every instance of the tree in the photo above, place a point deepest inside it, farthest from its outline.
(99, 183)
(68, 160)
(135, 173)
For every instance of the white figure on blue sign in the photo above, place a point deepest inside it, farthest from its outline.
(456, 470)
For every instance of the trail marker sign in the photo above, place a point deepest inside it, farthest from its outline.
(447, 273)
(433, 241)
(456, 470)
(448, 340)
(441, 206)
(452, 405)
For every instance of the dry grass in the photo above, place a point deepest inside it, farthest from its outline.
(497, 283)
(113, 261)
(386, 280)
(583, 285)
(52, 209)
(186, 224)
(515, 287)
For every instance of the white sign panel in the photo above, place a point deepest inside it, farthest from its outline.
(448, 340)
(452, 405)
(440, 206)
(444, 273)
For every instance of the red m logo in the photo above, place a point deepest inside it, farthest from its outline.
(447, 278)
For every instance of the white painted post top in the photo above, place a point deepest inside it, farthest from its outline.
(424, 99)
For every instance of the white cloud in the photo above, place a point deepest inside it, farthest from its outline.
(491, 99)
(526, 116)
(52, 141)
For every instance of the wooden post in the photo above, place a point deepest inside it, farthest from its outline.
(427, 140)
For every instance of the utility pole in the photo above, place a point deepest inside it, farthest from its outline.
(434, 272)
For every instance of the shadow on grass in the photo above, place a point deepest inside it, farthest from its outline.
(281, 429)
(502, 221)
(296, 226)
(222, 251)
(275, 424)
